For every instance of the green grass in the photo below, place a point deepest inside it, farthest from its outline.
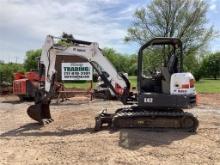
(208, 86)
(203, 86)
(133, 81)
(78, 85)
(86, 85)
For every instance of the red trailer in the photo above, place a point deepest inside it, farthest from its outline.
(25, 84)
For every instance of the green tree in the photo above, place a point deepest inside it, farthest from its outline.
(122, 63)
(132, 70)
(31, 61)
(167, 18)
(112, 56)
(67, 39)
(8, 69)
(211, 65)
(184, 19)
(193, 65)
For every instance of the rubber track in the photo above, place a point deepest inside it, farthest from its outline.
(126, 114)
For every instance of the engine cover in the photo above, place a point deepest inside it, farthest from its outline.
(182, 84)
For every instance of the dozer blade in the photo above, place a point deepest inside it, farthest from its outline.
(40, 112)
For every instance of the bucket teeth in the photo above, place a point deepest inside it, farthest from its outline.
(40, 112)
(46, 121)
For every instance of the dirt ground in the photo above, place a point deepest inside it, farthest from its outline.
(70, 138)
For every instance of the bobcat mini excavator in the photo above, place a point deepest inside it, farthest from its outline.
(160, 98)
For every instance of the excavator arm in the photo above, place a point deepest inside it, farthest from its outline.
(118, 83)
(87, 50)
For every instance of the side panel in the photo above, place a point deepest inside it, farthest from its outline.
(19, 87)
(164, 101)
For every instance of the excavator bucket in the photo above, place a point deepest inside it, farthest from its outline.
(40, 112)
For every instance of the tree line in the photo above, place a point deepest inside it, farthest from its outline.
(7, 70)
(207, 67)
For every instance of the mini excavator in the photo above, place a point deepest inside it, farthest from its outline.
(160, 98)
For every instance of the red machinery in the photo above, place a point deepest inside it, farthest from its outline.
(25, 84)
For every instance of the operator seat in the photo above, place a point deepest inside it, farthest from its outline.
(172, 64)
(172, 67)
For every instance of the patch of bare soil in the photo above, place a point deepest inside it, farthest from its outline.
(70, 139)
(212, 100)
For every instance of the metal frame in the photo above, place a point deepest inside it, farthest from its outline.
(157, 41)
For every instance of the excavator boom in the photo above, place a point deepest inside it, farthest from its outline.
(118, 83)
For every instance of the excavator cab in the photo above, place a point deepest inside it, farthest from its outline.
(155, 87)
(167, 62)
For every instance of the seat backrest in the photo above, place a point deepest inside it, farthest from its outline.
(168, 71)
(172, 64)
(166, 81)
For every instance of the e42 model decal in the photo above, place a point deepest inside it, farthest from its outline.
(148, 100)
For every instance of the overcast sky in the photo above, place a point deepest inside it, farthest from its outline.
(24, 24)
